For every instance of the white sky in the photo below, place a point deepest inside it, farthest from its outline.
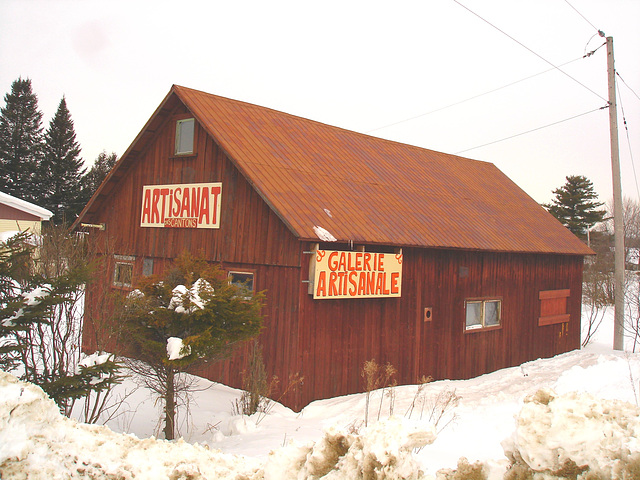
(359, 65)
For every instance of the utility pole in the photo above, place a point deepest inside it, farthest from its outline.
(618, 230)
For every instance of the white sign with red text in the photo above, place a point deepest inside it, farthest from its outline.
(193, 205)
(356, 275)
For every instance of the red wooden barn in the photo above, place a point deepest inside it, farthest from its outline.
(367, 248)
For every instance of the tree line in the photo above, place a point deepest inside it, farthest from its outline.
(44, 167)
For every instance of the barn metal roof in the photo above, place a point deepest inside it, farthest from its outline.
(370, 190)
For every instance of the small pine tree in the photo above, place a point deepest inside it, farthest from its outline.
(61, 171)
(575, 205)
(194, 303)
(21, 142)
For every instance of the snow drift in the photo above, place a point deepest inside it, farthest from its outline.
(37, 442)
(576, 435)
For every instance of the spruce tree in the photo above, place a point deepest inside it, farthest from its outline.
(61, 169)
(21, 142)
(194, 305)
(97, 173)
(575, 205)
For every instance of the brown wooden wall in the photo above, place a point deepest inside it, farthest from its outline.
(327, 341)
(250, 231)
(251, 237)
(338, 336)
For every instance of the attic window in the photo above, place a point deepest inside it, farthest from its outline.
(184, 136)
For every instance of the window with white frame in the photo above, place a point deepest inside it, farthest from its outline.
(483, 313)
(184, 136)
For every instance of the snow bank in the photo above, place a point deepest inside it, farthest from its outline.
(578, 434)
(384, 450)
(36, 442)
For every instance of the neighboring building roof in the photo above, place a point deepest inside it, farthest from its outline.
(24, 206)
(362, 188)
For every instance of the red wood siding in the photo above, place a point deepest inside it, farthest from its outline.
(338, 336)
(249, 231)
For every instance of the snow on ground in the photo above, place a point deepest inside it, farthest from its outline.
(545, 411)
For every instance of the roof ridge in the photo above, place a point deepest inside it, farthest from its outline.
(324, 124)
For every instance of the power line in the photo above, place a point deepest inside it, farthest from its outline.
(530, 50)
(627, 85)
(533, 130)
(626, 128)
(485, 93)
(600, 32)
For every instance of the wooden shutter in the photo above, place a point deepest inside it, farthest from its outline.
(553, 307)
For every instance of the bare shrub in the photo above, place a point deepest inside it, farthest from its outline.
(632, 309)
(438, 408)
(422, 384)
(256, 386)
(376, 376)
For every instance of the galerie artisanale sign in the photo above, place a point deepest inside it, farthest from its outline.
(194, 205)
(356, 274)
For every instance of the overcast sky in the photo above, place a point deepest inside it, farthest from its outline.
(360, 65)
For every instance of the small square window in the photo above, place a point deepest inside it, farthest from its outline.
(147, 267)
(482, 313)
(123, 274)
(184, 136)
(242, 279)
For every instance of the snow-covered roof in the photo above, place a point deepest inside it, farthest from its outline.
(25, 206)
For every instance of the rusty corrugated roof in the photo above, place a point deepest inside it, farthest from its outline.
(362, 188)
(370, 190)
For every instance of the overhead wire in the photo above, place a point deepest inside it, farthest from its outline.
(532, 130)
(627, 85)
(531, 51)
(600, 32)
(586, 55)
(624, 119)
(626, 128)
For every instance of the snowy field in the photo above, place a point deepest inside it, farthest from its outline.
(581, 406)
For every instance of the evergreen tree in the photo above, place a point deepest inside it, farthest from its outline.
(97, 173)
(575, 205)
(61, 170)
(40, 317)
(15, 276)
(21, 142)
(194, 306)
